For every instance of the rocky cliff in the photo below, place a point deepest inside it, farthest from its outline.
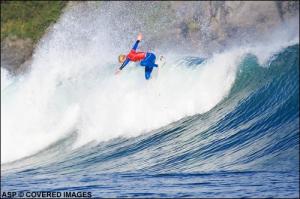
(23, 23)
(213, 23)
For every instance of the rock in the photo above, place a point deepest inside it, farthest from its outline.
(287, 9)
(211, 24)
(15, 52)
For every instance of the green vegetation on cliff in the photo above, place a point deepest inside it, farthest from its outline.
(28, 19)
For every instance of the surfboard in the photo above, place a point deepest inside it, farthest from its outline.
(161, 61)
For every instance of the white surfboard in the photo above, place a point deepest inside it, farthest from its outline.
(161, 61)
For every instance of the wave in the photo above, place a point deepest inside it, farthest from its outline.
(228, 111)
(254, 127)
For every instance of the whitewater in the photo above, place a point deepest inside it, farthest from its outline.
(200, 121)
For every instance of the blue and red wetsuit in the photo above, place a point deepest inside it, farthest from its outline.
(147, 60)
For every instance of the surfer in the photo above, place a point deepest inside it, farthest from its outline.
(147, 59)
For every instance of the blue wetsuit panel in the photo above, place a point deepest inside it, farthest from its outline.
(149, 60)
(149, 63)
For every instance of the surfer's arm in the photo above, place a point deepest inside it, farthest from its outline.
(124, 64)
(136, 45)
(139, 38)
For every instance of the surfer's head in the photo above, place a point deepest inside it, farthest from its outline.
(122, 58)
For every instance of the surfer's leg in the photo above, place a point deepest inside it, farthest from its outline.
(149, 63)
(148, 71)
(149, 60)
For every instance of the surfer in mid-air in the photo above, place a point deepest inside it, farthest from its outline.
(147, 59)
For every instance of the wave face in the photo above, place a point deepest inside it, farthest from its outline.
(199, 122)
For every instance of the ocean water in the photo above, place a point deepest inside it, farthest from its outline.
(220, 126)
